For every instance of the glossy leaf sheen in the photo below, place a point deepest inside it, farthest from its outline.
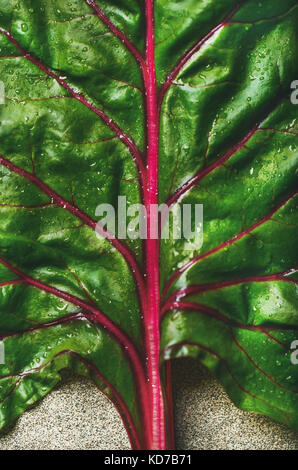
(158, 101)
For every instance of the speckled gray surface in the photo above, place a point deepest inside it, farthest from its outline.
(77, 416)
(207, 419)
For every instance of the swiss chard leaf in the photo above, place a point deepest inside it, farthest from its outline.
(161, 102)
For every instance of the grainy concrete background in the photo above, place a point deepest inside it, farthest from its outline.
(76, 416)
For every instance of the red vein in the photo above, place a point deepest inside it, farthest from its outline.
(283, 131)
(225, 363)
(220, 358)
(80, 97)
(220, 162)
(29, 100)
(157, 438)
(226, 243)
(230, 324)
(102, 319)
(268, 376)
(9, 283)
(99, 317)
(173, 75)
(50, 20)
(119, 34)
(275, 17)
(81, 284)
(59, 201)
(118, 401)
(20, 206)
(115, 397)
(92, 142)
(201, 288)
(202, 173)
(41, 326)
(15, 386)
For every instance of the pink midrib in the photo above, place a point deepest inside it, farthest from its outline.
(157, 428)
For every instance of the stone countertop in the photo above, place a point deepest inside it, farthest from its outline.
(77, 416)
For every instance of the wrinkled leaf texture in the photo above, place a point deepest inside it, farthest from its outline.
(73, 135)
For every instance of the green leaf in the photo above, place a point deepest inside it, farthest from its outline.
(159, 102)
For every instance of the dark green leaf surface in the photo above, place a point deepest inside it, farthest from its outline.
(75, 120)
